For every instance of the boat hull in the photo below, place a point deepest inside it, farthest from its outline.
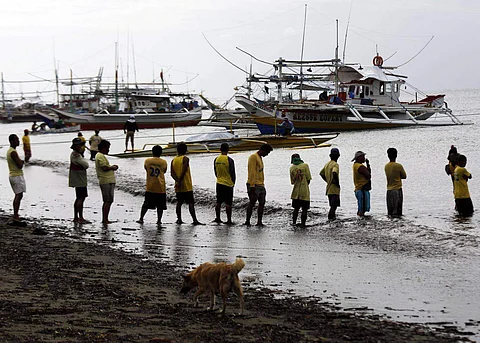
(239, 144)
(317, 118)
(116, 121)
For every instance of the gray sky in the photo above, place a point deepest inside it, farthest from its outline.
(81, 35)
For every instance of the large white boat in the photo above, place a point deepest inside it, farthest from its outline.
(340, 97)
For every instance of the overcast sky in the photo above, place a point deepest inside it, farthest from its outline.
(158, 34)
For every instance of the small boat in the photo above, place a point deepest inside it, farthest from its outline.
(211, 142)
(65, 129)
(233, 119)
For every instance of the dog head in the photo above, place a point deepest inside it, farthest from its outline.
(189, 283)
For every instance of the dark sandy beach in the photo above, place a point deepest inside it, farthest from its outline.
(55, 289)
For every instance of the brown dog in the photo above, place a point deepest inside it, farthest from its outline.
(215, 278)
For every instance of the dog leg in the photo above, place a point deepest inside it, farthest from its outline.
(212, 300)
(199, 292)
(237, 288)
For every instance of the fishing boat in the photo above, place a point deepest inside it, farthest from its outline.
(211, 142)
(327, 95)
(105, 120)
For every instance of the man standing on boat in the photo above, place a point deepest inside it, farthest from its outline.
(180, 171)
(27, 148)
(330, 174)
(106, 178)
(256, 183)
(224, 169)
(155, 191)
(17, 181)
(129, 129)
(94, 141)
(300, 178)
(362, 181)
(395, 173)
(288, 128)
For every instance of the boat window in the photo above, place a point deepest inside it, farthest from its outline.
(388, 88)
(395, 87)
(367, 91)
(382, 88)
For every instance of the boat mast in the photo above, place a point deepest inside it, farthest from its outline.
(116, 76)
(336, 65)
(71, 91)
(280, 76)
(301, 57)
(3, 92)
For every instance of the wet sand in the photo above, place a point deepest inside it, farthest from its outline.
(55, 289)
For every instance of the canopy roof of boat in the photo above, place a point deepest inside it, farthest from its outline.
(353, 73)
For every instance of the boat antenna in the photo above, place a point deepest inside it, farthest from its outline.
(233, 64)
(303, 46)
(346, 32)
(259, 60)
(418, 53)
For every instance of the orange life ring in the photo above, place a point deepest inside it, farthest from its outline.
(378, 61)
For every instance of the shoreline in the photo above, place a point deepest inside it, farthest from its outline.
(55, 289)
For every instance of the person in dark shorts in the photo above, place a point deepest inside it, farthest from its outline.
(255, 183)
(77, 177)
(461, 175)
(180, 171)
(395, 173)
(129, 129)
(330, 174)
(155, 191)
(224, 168)
(300, 178)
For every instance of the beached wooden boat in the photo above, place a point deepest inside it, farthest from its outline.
(210, 143)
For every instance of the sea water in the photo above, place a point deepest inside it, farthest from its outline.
(423, 267)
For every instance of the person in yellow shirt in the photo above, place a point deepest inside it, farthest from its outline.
(94, 141)
(180, 171)
(330, 174)
(255, 183)
(17, 181)
(362, 181)
(27, 148)
(395, 173)
(300, 178)
(155, 190)
(461, 175)
(106, 178)
(224, 168)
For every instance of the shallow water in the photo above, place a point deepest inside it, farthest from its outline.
(421, 268)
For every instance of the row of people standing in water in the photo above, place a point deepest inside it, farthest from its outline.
(224, 169)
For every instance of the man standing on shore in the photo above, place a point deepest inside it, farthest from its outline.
(106, 178)
(256, 183)
(94, 141)
(129, 129)
(17, 181)
(77, 177)
(155, 191)
(27, 148)
(180, 171)
(330, 174)
(362, 181)
(224, 168)
(395, 173)
(300, 178)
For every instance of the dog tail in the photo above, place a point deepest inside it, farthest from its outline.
(238, 265)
